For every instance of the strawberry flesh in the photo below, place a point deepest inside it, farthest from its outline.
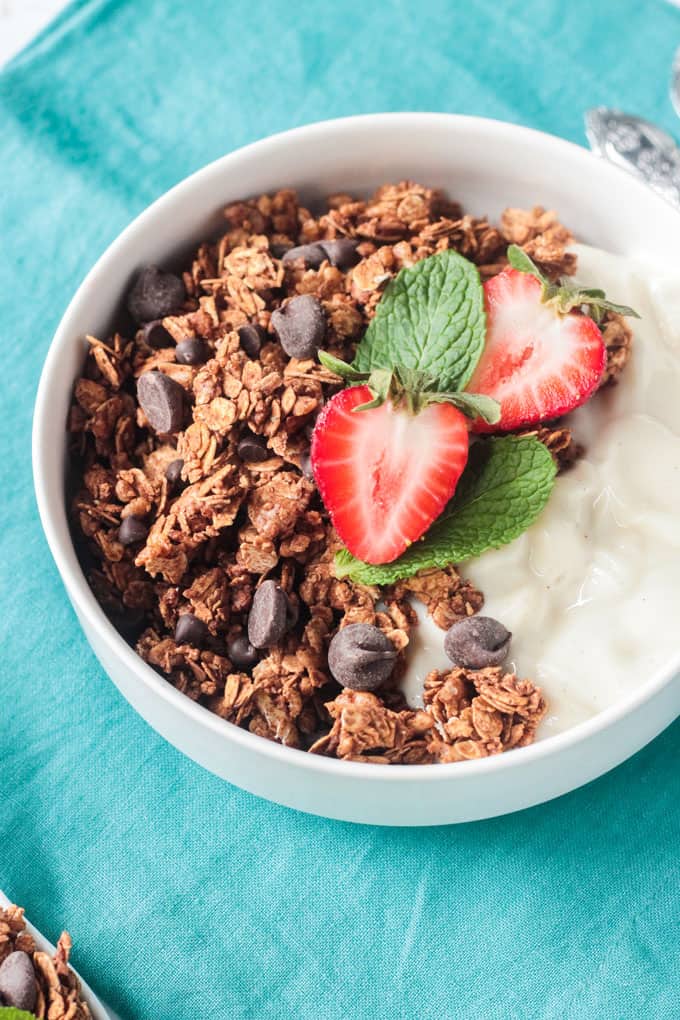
(536, 363)
(385, 474)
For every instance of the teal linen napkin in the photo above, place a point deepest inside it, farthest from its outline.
(186, 897)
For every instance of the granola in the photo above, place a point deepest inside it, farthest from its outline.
(480, 712)
(46, 985)
(186, 525)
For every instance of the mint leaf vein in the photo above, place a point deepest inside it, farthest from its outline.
(430, 319)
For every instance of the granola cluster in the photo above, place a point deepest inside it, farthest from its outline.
(225, 524)
(57, 987)
(467, 714)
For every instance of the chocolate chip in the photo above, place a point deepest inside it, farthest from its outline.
(477, 642)
(361, 657)
(341, 252)
(132, 529)
(252, 449)
(242, 654)
(278, 249)
(17, 981)
(192, 351)
(251, 337)
(300, 326)
(306, 467)
(312, 254)
(130, 623)
(156, 335)
(268, 618)
(162, 400)
(173, 474)
(155, 294)
(191, 631)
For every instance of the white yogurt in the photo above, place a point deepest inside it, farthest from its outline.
(592, 591)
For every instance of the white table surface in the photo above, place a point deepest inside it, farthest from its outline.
(20, 20)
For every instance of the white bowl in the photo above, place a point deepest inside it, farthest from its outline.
(487, 165)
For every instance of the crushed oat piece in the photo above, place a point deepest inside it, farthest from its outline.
(561, 443)
(618, 339)
(193, 671)
(474, 238)
(364, 730)
(201, 512)
(446, 595)
(283, 705)
(480, 712)
(275, 507)
(209, 598)
(542, 236)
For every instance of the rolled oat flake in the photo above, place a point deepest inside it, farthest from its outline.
(361, 657)
(300, 326)
(17, 981)
(162, 401)
(477, 642)
(268, 618)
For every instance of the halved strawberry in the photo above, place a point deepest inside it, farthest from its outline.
(538, 362)
(385, 473)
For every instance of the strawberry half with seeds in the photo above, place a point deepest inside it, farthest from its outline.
(387, 470)
(543, 356)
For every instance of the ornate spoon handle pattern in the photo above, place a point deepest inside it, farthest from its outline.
(675, 83)
(637, 146)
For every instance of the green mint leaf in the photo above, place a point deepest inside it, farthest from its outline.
(380, 382)
(430, 319)
(474, 405)
(11, 1013)
(565, 296)
(611, 306)
(505, 486)
(519, 259)
(593, 301)
(341, 368)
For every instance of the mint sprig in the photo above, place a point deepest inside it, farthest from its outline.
(564, 297)
(430, 319)
(411, 388)
(505, 486)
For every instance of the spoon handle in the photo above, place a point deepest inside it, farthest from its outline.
(638, 147)
(675, 82)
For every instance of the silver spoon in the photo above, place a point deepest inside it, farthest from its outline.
(99, 1012)
(675, 83)
(638, 147)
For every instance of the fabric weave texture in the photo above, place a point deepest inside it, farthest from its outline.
(185, 896)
